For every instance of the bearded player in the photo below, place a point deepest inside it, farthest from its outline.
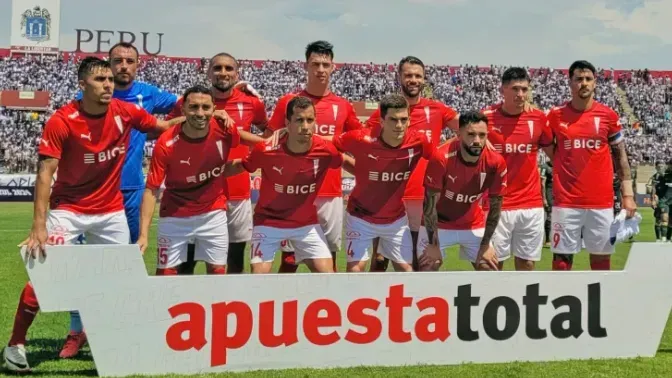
(459, 173)
(426, 116)
(334, 115)
(245, 109)
(585, 133)
(518, 135)
(87, 139)
(384, 164)
(292, 173)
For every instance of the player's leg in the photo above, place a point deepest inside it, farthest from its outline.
(212, 240)
(414, 216)
(189, 265)
(132, 202)
(265, 241)
(330, 216)
(63, 227)
(312, 249)
(502, 238)
(396, 244)
(239, 214)
(597, 237)
(528, 238)
(378, 262)
(658, 216)
(172, 235)
(665, 227)
(566, 230)
(446, 239)
(359, 235)
(470, 244)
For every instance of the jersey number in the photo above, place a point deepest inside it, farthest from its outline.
(256, 250)
(56, 240)
(556, 239)
(163, 257)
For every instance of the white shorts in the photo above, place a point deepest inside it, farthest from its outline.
(413, 213)
(520, 232)
(567, 225)
(309, 240)
(239, 214)
(395, 239)
(468, 240)
(64, 227)
(330, 216)
(209, 233)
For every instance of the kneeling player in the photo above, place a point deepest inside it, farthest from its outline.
(291, 175)
(191, 159)
(384, 164)
(458, 174)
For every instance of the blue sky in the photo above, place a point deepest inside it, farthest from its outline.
(611, 33)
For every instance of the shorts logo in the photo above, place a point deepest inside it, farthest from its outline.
(258, 235)
(352, 234)
(163, 240)
(557, 226)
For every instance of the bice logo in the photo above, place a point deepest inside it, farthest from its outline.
(204, 176)
(295, 189)
(323, 322)
(325, 129)
(583, 143)
(462, 198)
(520, 148)
(389, 176)
(103, 156)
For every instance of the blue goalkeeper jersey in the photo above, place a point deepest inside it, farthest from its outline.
(154, 101)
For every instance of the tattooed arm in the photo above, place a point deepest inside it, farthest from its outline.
(492, 220)
(431, 257)
(622, 168)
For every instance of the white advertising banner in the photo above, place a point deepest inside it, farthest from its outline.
(35, 25)
(137, 324)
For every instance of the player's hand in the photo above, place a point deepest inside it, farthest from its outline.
(36, 241)
(224, 117)
(142, 243)
(431, 257)
(274, 139)
(247, 88)
(630, 206)
(486, 255)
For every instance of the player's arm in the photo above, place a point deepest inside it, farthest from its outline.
(46, 167)
(490, 225)
(543, 187)
(349, 164)
(234, 167)
(622, 167)
(149, 199)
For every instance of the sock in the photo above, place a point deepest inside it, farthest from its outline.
(236, 258)
(166, 272)
(600, 263)
(333, 259)
(187, 267)
(658, 232)
(379, 264)
(562, 262)
(288, 263)
(547, 230)
(76, 325)
(217, 270)
(25, 314)
(669, 233)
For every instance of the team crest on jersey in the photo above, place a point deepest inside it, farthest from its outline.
(427, 113)
(483, 175)
(120, 125)
(335, 109)
(530, 125)
(316, 166)
(597, 125)
(240, 110)
(220, 148)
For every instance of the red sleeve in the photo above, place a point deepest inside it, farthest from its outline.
(546, 137)
(232, 137)
(252, 162)
(436, 168)
(499, 182)
(54, 134)
(177, 110)
(157, 167)
(140, 119)
(552, 120)
(277, 120)
(448, 114)
(615, 134)
(336, 157)
(345, 142)
(374, 120)
(352, 122)
(259, 113)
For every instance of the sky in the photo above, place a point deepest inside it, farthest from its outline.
(620, 34)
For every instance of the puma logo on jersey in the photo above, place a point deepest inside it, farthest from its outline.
(46, 142)
(497, 129)
(452, 178)
(86, 136)
(187, 162)
(279, 170)
(564, 125)
(430, 179)
(373, 157)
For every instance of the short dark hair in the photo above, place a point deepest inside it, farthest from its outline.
(392, 101)
(581, 65)
(196, 89)
(90, 63)
(472, 116)
(410, 60)
(320, 48)
(225, 55)
(515, 74)
(298, 102)
(125, 45)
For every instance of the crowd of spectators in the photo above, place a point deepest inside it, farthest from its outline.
(649, 129)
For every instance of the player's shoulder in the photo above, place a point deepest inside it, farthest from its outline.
(448, 149)
(535, 114)
(558, 109)
(436, 104)
(120, 106)
(490, 110)
(493, 158)
(414, 137)
(243, 96)
(169, 137)
(67, 111)
(604, 109)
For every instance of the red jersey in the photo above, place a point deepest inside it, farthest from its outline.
(333, 115)
(192, 170)
(381, 172)
(91, 151)
(518, 138)
(430, 118)
(290, 182)
(461, 185)
(583, 171)
(246, 110)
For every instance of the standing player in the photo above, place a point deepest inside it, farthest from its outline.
(334, 115)
(661, 200)
(384, 164)
(652, 186)
(87, 140)
(292, 173)
(518, 135)
(585, 131)
(458, 175)
(191, 159)
(245, 110)
(428, 117)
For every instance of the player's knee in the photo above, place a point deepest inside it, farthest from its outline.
(166, 272)
(483, 267)
(524, 265)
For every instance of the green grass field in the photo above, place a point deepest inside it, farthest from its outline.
(47, 334)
